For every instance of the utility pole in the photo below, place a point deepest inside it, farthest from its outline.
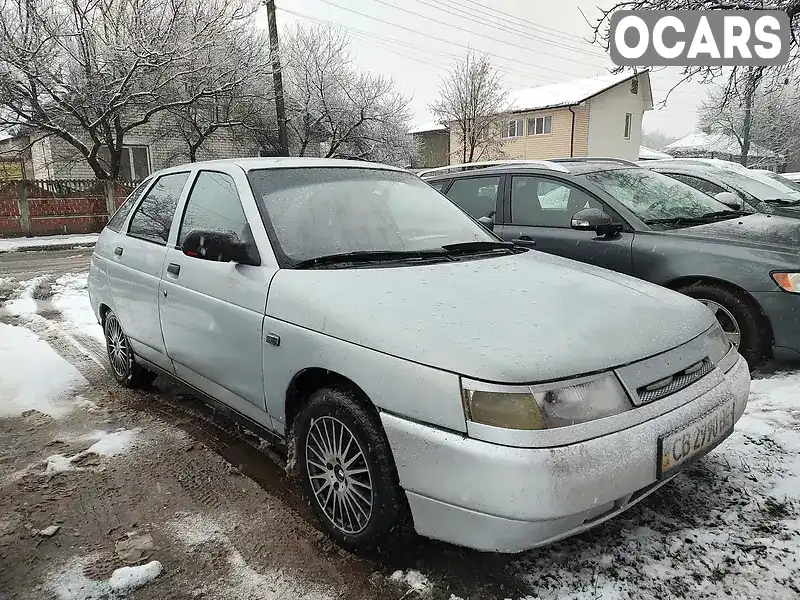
(277, 78)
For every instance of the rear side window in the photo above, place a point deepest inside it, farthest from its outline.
(477, 195)
(213, 205)
(119, 216)
(153, 218)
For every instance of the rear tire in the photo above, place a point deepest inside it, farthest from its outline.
(736, 314)
(347, 471)
(124, 367)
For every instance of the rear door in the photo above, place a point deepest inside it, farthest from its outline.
(134, 266)
(212, 312)
(540, 215)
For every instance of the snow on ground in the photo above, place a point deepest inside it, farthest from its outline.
(34, 377)
(72, 300)
(70, 582)
(415, 580)
(24, 304)
(242, 580)
(44, 242)
(107, 444)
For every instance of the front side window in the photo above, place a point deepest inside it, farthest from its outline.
(213, 205)
(650, 195)
(540, 125)
(314, 212)
(542, 202)
(512, 129)
(153, 218)
(477, 196)
(116, 221)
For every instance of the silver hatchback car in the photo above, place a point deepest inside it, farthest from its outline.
(415, 368)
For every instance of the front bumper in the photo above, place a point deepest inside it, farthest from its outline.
(783, 311)
(507, 499)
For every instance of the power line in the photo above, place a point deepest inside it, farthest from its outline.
(531, 24)
(464, 29)
(427, 51)
(467, 13)
(439, 39)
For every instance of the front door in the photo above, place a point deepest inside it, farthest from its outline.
(541, 210)
(212, 312)
(134, 266)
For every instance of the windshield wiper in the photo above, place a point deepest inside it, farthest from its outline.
(477, 247)
(782, 202)
(367, 256)
(706, 218)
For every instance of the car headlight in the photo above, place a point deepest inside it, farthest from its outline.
(542, 407)
(788, 282)
(717, 344)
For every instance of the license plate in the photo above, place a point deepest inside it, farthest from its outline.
(678, 448)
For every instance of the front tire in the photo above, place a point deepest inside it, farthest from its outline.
(347, 470)
(739, 318)
(124, 367)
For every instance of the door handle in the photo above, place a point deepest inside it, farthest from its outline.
(118, 250)
(173, 269)
(524, 240)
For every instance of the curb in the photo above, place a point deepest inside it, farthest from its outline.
(48, 247)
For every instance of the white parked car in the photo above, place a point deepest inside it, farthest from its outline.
(416, 368)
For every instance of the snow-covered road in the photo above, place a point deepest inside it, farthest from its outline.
(728, 527)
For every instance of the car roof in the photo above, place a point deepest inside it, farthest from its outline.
(568, 166)
(683, 167)
(283, 162)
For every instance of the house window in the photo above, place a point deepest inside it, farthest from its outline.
(635, 86)
(540, 125)
(512, 129)
(134, 162)
(628, 125)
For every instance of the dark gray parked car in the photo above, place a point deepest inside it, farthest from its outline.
(617, 215)
(753, 191)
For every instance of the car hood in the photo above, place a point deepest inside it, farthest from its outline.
(516, 319)
(758, 230)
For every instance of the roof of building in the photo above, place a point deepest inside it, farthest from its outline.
(646, 153)
(428, 127)
(569, 93)
(717, 143)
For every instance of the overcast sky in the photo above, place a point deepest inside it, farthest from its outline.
(534, 42)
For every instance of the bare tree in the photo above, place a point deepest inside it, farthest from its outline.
(472, 102)
(767, 117)
(89, 72)
(737, 80)
(243, 60)
(657, 139)
(330, 102)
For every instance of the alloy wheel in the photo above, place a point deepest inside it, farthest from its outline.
(117, 344)
(726, 320)
(339, 474)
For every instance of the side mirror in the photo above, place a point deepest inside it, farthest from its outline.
(487, 222)
(594, 219)
(729, 199)
(219, 246)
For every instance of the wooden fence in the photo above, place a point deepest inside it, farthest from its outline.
(30, 207)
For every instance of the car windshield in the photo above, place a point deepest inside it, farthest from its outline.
(785, 183)
(653, 196)
(322, 211)
(759, 185)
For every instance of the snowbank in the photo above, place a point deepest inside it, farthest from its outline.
(48, 242)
